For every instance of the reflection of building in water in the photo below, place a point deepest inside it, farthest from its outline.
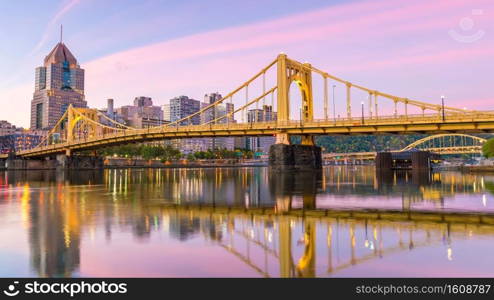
(182, 227)
(258, 187)
(211, 228)
(232, 186)
(410, 186)
(141, 226)
(54, 235)
(257, 193)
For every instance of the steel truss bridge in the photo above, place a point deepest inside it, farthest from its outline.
(453, 143)
(86, 129)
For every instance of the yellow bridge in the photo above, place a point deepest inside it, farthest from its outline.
(86, 129)
(454, 143)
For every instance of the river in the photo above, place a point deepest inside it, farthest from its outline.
(245, 222)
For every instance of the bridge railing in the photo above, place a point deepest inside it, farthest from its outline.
(276, 125)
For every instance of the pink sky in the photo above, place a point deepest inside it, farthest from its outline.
(400, 47)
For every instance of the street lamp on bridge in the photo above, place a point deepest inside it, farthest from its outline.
(334, 105)
(362, 103)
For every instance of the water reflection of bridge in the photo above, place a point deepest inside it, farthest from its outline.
(275, 235)
(271, 223)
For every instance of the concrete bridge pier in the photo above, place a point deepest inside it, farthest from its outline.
(285, 156)
(60, 161)
(78, 162)
(417, 160)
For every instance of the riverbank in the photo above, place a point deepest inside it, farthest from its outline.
(477, 169)
(125, 163)
(116, 163)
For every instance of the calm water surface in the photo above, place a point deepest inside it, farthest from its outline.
(175, 222)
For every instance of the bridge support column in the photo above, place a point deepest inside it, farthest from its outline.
(421, 160)
(282, 138)
(29, 164)
(295, 157)
(78, 162)
(62, 161)
(307, 140)
(384, 161)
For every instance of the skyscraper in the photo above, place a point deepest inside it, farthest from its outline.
(260, 143)
(166, 112)
(183, 106)
(214, 113)
(58, 84)
(142, 114)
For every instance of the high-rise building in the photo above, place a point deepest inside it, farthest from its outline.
(183, 106)
(109, 107)
(58, 84)
(166, 112)
(142, 114)
(260, 143)
(142, 101)
(111, 113)
(212, 115)
(6, 128)
(13, 139)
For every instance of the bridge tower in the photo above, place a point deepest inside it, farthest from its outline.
(283, 155)
(292, 71)
(77, 128)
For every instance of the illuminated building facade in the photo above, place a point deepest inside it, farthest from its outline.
(58, 84)
(19, 141)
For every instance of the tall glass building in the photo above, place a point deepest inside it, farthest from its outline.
(58, 83)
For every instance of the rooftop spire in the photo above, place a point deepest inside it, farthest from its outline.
(61, 33)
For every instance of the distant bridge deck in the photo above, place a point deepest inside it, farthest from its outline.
(411, 124)
(372, 155)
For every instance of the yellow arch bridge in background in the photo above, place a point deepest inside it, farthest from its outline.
(452, 143)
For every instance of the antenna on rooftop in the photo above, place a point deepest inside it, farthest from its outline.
(61, 32)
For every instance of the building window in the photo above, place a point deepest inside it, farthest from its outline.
(39, 116)
(66, 84)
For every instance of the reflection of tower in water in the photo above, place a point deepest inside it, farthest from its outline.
(54, 236)
(182, 227)
(211, 228)
(55, 217)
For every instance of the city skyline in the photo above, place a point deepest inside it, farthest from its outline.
(336, 139)
(407, 49)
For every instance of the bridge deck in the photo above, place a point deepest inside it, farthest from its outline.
(468, 122)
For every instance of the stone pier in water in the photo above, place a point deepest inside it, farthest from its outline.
(295, 157)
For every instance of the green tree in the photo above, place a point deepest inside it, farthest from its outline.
(169, 153)
(488, 148)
